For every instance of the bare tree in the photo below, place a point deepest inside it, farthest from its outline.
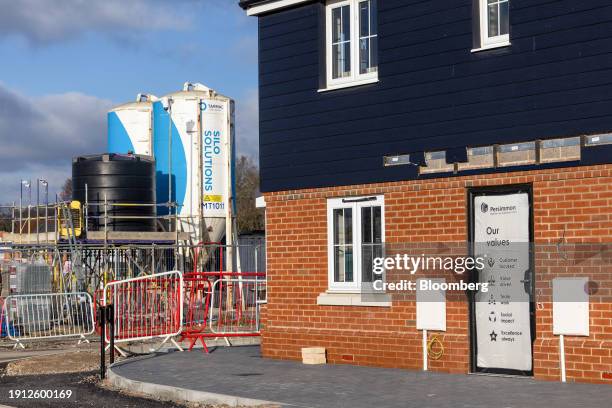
(249, 218)
(5, 218)
(66, 193)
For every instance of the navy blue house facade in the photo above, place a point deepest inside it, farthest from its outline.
(411, 128)
(435, 90)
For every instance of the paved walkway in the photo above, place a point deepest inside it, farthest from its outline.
(240, 371)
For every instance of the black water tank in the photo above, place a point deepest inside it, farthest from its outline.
(125, 179)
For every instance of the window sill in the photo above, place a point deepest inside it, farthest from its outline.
(349, 84)
(492, 46)
(354, 299)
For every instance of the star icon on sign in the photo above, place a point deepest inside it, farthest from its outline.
(493, 336)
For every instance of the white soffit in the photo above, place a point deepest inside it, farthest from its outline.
(275, 5)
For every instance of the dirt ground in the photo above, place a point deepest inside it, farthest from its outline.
(75, 370)
(79, 361)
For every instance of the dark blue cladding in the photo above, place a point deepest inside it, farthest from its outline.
(554, 80)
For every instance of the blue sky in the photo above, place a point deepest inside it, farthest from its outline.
(64, 63)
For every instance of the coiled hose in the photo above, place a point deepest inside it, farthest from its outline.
(435, 348)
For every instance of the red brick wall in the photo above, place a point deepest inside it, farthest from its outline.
(572, 205)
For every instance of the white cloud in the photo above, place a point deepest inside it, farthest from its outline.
(40, 135)
(247, 124)
(43, 21)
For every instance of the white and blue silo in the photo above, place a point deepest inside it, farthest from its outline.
(170, 157)
(130, 126)
(192, 141)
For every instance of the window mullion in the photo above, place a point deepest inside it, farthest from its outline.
(328, 44)
(484, 17)
(354, 39)
(369, 40)
(499, 24)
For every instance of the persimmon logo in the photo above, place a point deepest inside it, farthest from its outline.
(484, 207)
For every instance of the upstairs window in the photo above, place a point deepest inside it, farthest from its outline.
(351, 42)
(494, 23)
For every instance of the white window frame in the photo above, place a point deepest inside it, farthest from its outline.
(487, 42)
(355, 78)
(356, 204)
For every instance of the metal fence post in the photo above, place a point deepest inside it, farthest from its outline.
(86, 209)
(176, 227)
(56, 221)
(256, 250)
(115, 258)
(13, 220)
(153, 259)
(105, 222)
(105, 272)
(110, 309)
(102, 323)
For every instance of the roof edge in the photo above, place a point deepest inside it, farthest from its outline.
(257, 7)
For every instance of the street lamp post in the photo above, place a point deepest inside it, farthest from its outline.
(28, 185)
(20, 207)
(46, 186)
(37, 211)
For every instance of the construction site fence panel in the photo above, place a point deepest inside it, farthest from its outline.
(235, 301)
(198, 291)
(146, 307)
(48, 316)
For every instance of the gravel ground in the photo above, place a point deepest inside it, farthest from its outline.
(84, 386)
(76, 371)
(78, 361)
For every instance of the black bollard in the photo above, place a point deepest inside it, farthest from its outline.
(102, 324)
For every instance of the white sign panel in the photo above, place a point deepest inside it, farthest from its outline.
(571, 306)
(215, 157)
(503, 324)
(431, 307)
(184, 113)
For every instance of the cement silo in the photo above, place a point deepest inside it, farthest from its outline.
(193, 132)
(130, 126)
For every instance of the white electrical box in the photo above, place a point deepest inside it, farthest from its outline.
(431, 308)
(571, 306)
